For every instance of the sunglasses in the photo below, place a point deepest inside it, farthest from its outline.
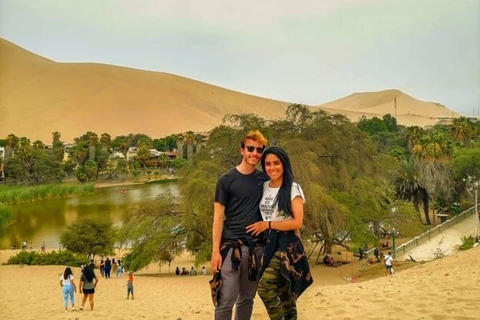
(251, 148)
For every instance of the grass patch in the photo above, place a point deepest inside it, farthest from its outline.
(5, 216)
(22, 194)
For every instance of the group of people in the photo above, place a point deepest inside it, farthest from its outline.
(192, 272)
(25, 246)
(256, 239)
(108, 266)
(88, 283)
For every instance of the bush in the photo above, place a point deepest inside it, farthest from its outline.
(467, 243)
(63, 257)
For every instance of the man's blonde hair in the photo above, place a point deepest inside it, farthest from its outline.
(254, 135)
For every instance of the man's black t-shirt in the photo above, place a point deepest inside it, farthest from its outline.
(241, 195)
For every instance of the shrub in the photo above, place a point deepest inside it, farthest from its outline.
(63, 257)
(467, 243)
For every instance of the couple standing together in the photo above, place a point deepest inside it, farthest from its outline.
(256, 239)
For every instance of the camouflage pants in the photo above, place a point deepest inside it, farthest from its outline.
(274, 291)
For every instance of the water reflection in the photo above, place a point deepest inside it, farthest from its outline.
(46, 220)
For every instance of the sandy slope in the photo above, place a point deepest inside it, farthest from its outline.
(442, 289)
(39, 96)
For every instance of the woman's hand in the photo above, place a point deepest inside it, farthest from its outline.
(257, 228)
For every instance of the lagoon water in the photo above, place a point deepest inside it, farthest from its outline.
(46, 220)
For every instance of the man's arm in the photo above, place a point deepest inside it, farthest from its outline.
(217, 229)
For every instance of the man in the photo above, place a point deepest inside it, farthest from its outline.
(388, 264)
(234, 254)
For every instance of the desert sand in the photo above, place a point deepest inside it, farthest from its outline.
(441, 289)
(39, 96)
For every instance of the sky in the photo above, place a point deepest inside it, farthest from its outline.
(310, 51)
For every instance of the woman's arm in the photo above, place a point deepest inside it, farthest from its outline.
(80, 286)
(96, 280)
(74, 286)
(295, 223)
(61, 283)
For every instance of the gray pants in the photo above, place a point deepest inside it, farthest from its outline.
(237, 288)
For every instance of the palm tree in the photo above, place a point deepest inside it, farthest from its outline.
(199, 142)
(37, 144)
(463, 129)
(92, 141)
(179, 141)
(407, 185)
(124, 146)
(11, 144)
(105, 139)
(56, 137)
(189, 139)
(414, 134)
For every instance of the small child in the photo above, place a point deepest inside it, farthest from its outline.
(130, 285)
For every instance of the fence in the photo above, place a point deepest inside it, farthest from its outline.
(407, 246)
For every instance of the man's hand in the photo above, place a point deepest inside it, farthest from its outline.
(257, 228)
(216, 262)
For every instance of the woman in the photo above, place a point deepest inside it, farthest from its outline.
(87, 285)
(68, 288)
(114, 267)
(102, 268)
(119, 269)
(284, 272)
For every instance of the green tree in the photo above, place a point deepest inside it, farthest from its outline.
(390, 123)
(90, 238)
(463, 130)
(11, 144)
(372, 126)
(154, 231)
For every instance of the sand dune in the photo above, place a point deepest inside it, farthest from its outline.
(442, 289)
(39, 96)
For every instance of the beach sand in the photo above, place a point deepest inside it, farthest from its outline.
(442, 289)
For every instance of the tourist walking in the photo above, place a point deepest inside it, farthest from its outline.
(388, 264)
(88, 283)
(114, 267)
(235, 253)
(285, 273)
(102, 268)
(108, 268)
(68, 288)
(119, 269)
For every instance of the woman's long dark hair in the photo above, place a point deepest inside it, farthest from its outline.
(68, 272)
(285, 192)
(88, 272)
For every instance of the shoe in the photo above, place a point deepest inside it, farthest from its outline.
(66, 310)
(73, 309)
(81, 308)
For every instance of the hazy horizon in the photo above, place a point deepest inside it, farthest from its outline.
(313, 54)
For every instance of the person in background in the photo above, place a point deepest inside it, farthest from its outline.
(130, 285)
(388, 264)
(88, 283)
(193, 272)
(119, 269)
(177, 271)
(108, 268)
(114, 267)
(204, 271)
(68, 288)
(102, 268)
